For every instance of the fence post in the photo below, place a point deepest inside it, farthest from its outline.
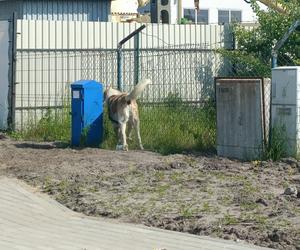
(120, 57)
(282, 41)
(119, 67)
(136, 57)
(12, 87)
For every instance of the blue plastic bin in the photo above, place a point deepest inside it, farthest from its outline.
(87, 113)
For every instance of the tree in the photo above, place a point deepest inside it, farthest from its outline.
(254, 46)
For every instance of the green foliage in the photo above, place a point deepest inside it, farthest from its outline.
(184, 21)
(54, 126)
(278, 145)
(254, 46)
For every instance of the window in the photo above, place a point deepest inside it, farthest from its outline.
(164, 2)
(236, 16)
(227, 16)
(164, 15)
(189, 14)
(223, 16)
(202, 15)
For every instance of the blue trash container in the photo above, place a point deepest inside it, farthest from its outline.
(87, 113)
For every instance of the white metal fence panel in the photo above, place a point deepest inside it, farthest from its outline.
(44, 34)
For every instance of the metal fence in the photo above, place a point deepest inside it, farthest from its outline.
(53, 54)
(181, 60)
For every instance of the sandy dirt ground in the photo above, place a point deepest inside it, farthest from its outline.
(255, 202)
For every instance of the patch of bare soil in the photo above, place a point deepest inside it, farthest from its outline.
(188, 193)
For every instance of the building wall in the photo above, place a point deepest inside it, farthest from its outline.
(74, 10)
(8, 7)
(92, 10)
(214, 5)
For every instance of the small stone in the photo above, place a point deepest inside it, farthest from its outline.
(262, 201)
(291, 191)
(274, 236)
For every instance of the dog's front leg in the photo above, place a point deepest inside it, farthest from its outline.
(123, 131)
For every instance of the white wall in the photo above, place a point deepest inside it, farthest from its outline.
(4, 68)
(214, 5)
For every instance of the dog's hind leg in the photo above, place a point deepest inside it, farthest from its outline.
(118, 134)
(130, 126)
(123, 132)
(137, 128)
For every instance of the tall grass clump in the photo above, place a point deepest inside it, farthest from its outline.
(53, 126)
(277, 147)
(182, 127)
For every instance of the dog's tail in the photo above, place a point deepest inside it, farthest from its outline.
(138, 89)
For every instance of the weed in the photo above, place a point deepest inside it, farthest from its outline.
(248, 205)
(207, 208)
(278, 144)
(161, 190)
(52, 126)
(229, 220)
(176, 177)
(159, 175)
(226, 200)
(186, 212)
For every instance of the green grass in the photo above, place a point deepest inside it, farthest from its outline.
(170, 128)
(52, 127)
(229, 220)
(179, 128)
(277, 148)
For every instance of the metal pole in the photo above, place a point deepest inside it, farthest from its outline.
(281, 42)
(136, 58)
(12, 96)
(119, 67)
(274, 60)
(120, 56)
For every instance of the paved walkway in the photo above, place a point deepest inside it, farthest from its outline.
(30, 220)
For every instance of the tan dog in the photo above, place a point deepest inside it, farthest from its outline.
(123, 110)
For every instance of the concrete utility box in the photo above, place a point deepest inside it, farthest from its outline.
(286, 105)
(87, 113)
(242, 116)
